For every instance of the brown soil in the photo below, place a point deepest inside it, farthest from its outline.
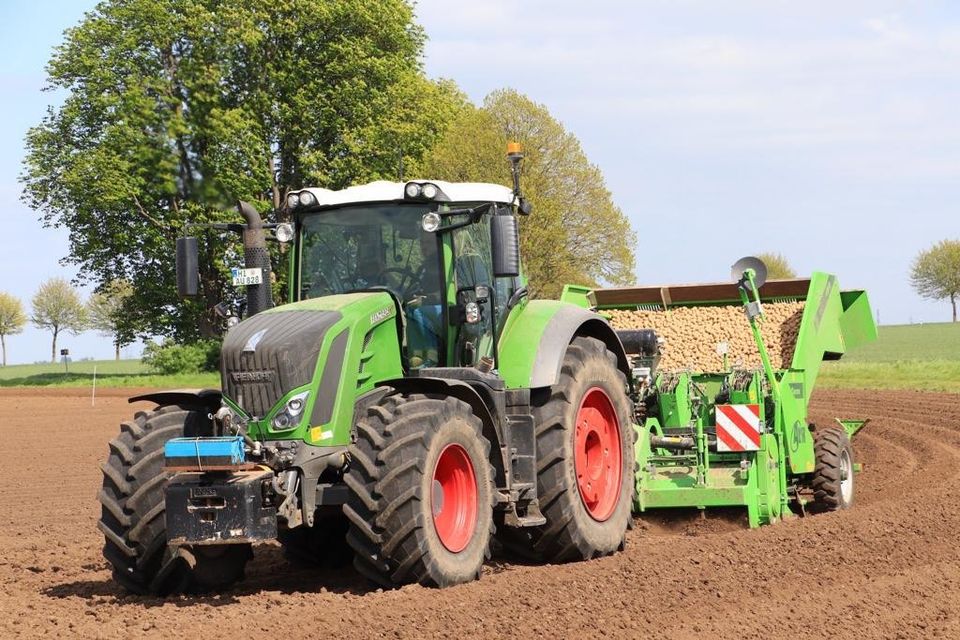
(889, 568)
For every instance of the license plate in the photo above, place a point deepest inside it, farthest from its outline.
(243, 277)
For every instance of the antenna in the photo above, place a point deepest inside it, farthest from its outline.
(515, 155)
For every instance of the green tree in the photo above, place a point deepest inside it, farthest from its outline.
(935, 273)
(174, 109)
(105, 313)
(576, 233)
(778, 268)
(12, 320)
(57, 307)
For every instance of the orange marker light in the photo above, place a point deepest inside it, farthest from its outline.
(513, 148)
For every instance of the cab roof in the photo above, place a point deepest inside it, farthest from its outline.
(386, 191)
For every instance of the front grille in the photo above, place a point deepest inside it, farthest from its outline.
(270, 354)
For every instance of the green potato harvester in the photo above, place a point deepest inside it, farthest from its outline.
(740, 436)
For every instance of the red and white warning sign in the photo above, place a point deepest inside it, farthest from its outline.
(738, 427)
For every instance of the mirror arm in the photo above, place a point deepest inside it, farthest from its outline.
(475, 214)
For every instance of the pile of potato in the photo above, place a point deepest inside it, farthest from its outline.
(693, 333)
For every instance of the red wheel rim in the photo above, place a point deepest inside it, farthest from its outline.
(454, 499)
(597, 456)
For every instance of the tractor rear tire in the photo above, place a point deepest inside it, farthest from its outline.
(585, 458)
(833, 485)
(421, 492)
(133, 515)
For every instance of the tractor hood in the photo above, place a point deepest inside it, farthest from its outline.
(269, 354)
(308, 346)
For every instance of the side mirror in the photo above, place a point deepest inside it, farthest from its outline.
(188, 268)
(505, 244)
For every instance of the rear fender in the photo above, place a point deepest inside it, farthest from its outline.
(534, 343)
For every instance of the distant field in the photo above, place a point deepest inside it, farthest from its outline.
(912, 356)
(110, 373)
(924, 342)
(917, 356)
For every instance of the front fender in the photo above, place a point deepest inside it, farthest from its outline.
(536, 337)
(459, 389)
(208, 398)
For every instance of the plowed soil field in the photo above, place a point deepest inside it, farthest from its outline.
(889, 568)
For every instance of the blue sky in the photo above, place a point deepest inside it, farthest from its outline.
(826, 131)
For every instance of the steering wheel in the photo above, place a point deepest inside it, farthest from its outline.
(406, 279)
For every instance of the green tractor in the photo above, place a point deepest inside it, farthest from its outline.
(407, 406)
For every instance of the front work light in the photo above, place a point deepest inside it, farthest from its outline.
(430, 222)
(429, 191)
(284, 232)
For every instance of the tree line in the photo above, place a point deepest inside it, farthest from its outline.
(57, 307)
(174, 109)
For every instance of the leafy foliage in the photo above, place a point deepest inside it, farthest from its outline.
(105, 312)
(57, 307)
(576, 233)
(175, 108)
(172, 358)
(778, 268)
(12, 320)
(935, 273)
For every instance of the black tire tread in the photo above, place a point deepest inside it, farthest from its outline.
(386, 464)
(132, 500)
(560, 539)
(829, 443)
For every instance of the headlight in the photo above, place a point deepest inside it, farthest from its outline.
(430, 222)
(412, 190)
(288, 417)
(307, 199)
(293, 201)
(429, 191)
(284, 232)
(296, 403)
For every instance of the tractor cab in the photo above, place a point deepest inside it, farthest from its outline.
(431, 245)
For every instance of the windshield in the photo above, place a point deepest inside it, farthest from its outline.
(370, 245)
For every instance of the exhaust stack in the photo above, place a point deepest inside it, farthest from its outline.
(256, 256)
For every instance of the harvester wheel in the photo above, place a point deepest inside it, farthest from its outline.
(833, 475)
(133, 516)
(421, 492)
(585, 457)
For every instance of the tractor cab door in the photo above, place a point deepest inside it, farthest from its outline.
(473, 273)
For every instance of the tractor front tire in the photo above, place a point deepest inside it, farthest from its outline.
(133, 515)
(421, 493)
(833, 485)
(585, 457)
